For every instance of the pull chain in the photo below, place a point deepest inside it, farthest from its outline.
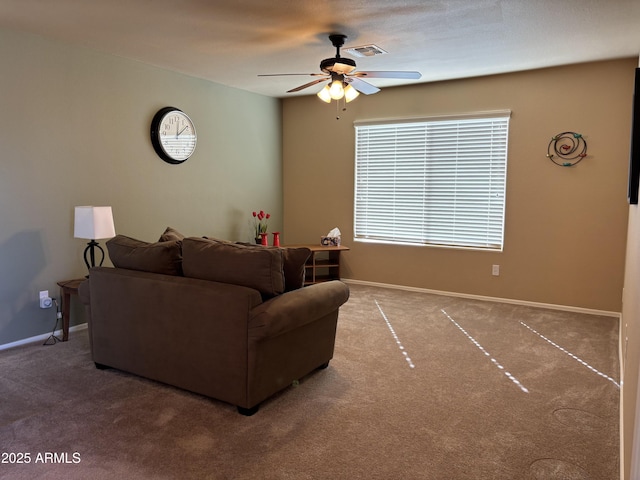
(344, 107)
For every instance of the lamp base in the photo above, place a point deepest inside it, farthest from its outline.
(90, 250)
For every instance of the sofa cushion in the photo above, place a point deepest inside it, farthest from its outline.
(294, 259)
(170, 234)
(261, 269)
(133, 254)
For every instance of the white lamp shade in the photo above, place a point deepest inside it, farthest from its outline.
(324, 94)
(350, 93)
(93, 222)
(336, 90)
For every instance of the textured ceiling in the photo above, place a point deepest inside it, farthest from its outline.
(231, 42)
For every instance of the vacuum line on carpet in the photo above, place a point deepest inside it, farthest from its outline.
(487, 354)
(575, 357)
(393, 332)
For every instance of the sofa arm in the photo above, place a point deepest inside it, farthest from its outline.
(295, 308)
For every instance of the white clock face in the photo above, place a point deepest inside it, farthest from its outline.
(177, 135)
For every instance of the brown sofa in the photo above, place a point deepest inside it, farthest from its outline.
(228, 321)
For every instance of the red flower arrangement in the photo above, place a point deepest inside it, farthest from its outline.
(260, 222)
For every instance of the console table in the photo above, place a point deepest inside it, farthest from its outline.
(68, 288)
(323, 264)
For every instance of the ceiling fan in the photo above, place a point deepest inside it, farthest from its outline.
(345, 82)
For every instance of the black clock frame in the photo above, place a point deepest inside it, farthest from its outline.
(155, 135)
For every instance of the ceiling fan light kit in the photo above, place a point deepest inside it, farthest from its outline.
(345, 83)
(337, 91)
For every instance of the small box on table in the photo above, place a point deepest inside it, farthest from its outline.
(330, 241)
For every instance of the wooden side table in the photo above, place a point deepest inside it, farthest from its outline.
(68, 288)
(323, 264)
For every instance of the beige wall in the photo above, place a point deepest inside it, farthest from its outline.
(565, 228)
(74, 130)
(631, 343)
(631, 347)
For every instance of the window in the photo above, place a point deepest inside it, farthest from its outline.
(432, 181)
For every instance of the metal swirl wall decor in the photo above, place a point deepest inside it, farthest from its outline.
(567, 149)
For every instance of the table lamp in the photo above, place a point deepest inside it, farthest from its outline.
(91, 223)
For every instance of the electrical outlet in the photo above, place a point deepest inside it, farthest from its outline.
(495, 270)
(45, 299)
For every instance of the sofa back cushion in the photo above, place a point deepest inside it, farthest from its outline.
(159, 257)
(258, 268)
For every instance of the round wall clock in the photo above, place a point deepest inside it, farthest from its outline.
(173, 135)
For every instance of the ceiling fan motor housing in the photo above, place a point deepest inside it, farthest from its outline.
(337, 65)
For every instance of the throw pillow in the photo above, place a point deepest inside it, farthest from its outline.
(260, 269)
(294, 259)
(170, 234)
(133, 254)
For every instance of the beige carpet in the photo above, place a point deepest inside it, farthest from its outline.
(421, 387)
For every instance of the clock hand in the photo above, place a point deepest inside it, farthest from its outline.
(187, 126)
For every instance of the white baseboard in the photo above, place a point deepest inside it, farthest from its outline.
(566, 308)
(41, 338)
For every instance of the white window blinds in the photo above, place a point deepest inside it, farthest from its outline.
(433, 181)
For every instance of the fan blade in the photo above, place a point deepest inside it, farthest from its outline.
(361, 85)
(302, 87)
(406, 75)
